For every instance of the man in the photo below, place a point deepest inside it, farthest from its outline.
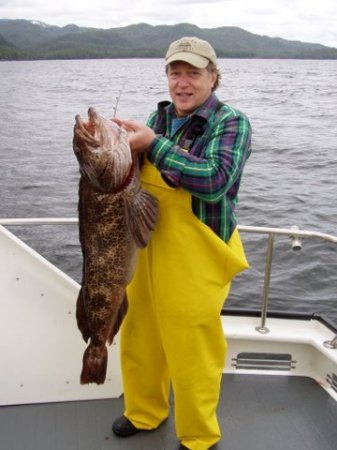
(195, 148)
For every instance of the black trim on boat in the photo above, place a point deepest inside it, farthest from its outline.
(281, 315)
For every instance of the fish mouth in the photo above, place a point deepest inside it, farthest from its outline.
(84, 131)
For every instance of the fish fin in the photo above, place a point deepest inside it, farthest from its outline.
(142, 214)
(95, 362)
(121, 313)
(81, 316)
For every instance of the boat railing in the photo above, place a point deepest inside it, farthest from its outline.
(294, 233)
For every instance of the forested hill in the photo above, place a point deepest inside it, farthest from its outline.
(23, 39)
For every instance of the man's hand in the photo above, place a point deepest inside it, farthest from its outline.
(140, 136)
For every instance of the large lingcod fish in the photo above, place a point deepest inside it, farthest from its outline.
(116, 216)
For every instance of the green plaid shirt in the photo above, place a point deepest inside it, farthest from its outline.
(208, 162)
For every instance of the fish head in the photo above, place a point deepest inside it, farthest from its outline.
(103, 151)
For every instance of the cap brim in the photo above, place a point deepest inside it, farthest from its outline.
(191, 58)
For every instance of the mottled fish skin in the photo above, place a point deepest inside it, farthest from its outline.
(116, 217)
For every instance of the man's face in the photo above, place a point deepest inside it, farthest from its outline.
(189, 86)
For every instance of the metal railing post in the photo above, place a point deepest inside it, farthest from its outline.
(332, 345)
(269, 257)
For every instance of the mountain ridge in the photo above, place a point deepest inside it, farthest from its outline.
(29, 40)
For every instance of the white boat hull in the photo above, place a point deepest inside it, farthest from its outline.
(41, 347)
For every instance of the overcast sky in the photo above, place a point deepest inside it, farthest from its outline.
(304, 20)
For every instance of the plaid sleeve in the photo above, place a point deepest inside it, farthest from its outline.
(211, 176)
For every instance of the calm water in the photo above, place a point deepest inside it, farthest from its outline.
(289, 180)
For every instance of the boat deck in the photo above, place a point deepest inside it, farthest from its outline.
(265, 412)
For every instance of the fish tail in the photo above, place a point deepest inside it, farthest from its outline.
(95, 361)
(81, 316)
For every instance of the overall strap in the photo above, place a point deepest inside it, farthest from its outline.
(159, 126)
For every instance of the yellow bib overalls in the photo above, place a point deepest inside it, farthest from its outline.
(173, 331)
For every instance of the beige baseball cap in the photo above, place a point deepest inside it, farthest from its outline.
(195, 51)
